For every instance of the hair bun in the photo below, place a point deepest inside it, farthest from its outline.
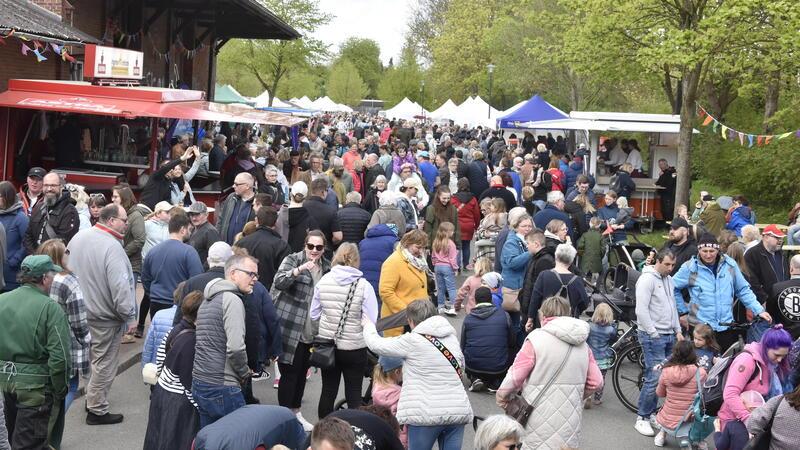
(778, 326)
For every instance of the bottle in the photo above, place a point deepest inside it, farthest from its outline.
(136, 69)
(101, 68)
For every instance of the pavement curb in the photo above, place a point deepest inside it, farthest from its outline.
(124, 365)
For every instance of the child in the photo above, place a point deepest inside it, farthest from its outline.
(602, 333)
(625, 213)
(638, 259)
(735, 434)
(466, 293)
(705, 346)
(494, 281)
(444, 256)
(678, 384)
(592, 245)
(488, 343)
(386, 379)
(495, 218)
(401, 158)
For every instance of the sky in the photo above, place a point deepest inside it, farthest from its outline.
(381, 20)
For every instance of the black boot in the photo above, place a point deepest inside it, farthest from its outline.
(105, 419)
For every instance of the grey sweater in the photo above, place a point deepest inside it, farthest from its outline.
(785, 432)
(656, 310)
(104, 273)
(220, 357)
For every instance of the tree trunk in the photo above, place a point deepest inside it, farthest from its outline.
(771, 99)
(689, 84)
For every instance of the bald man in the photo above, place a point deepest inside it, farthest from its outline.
(498, 190)
(237, 209)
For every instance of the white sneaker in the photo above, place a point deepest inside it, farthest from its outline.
(261, 376)
(442, 311)
(307, 426)
(643, 427)
(450, 311)
(660, 438)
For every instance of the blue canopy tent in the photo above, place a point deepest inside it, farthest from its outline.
(534, 110)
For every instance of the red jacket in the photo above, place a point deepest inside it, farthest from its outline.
(679, 385)
(469, 214)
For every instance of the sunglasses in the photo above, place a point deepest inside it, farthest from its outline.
(318, 248)
(513, 447)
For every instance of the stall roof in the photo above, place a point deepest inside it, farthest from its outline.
(228, 94)
(29, 19)
(536, 109)
(625, 117)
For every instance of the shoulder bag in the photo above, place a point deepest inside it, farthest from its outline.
(446, 353)
(519, 409)
(323, 350)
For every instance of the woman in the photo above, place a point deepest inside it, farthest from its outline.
(407, 175)
(784, 414)
(173, 420)
(433, 402)
(622, 183)
(561, 341)
(469, 218)
(156, 227)
(15, 223)
(66, 291)
(514, 260)
(96, 202)
(374, 250)
(559, 281)
(341, 298)
(494, 221)
(388, 213)
(407, 203)
(498, 432)
(762, 367)
(357, 175)
(293, 290)
(740, 315)
(608, 213)
(442, 210)
(299, 219)
(404, 276)
(372, 199)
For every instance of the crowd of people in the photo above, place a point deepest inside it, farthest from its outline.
(341, 250)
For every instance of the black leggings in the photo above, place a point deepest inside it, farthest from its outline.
(293, 378)
(144, 308)
(350, 364)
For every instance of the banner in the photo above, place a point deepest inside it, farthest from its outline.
(730, 134)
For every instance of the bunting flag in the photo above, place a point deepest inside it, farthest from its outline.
(730, 134)
(25, 49)
(39, 56)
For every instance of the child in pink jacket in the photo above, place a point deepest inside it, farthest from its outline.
(386, 379)
(466, 293)
(678, 383)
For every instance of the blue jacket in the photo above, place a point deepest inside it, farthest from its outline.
(159, 327)
(575, 168)
(607, 213)
(429, 172)
(378, 245)
(711, 295)
(517, 182)
(486, 338)
(550, 212)
(740, 217)
(600, 339)
(15, 222)
(262, 327)
(165, 266)
(514, 260)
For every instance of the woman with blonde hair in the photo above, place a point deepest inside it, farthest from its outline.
(341, 297)
(404, 276)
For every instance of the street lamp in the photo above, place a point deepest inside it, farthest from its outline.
(490, 67)
(422, 97)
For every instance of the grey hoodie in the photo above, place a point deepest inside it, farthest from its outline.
(656, 310)
(220, 356)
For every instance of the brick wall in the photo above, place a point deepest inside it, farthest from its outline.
(54, 6)
(89, 17)
(15, 65)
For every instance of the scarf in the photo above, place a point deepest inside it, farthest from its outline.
(102, 227)
(418, 263)
(548, 234)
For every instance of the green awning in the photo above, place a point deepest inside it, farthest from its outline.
(227, 94)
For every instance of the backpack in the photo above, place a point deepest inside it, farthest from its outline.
(711, 394)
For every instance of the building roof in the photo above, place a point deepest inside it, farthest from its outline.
(28, 19)
(245, 19)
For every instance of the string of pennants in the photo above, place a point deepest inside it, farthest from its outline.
(115, 33)
(730, 134)
(38, 47)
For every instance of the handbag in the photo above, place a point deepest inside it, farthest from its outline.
(703, 424)
(519, 409)
(323, 350)
(763, 439)
(511, 300)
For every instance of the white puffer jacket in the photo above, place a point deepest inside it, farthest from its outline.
(432, 392)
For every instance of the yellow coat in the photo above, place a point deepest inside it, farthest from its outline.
(400, 284)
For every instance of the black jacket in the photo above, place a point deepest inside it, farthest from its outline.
(300, 223)
(763, 272)
(62, 217)
(371, 174)
(353, 220)
(215, 158)
(325, 217)
(476, 174)
(667, 180)
(544, 260)
(623, 184)
(158, 187)
(266, 245)
(782, 305)
(500, 192)
(202, 239)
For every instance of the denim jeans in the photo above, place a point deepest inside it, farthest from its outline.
(72, 393)
(465, 253)
(655, 351)
(793, 235)
(214, 402)
(445, 281)
(449, 437)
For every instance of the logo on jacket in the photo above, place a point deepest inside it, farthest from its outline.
(789, 303)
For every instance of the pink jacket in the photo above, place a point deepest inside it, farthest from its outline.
(466, 293)
(745, 366)
(388, 395)
(679, 385)
(449, 258)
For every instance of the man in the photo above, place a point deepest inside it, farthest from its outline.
(31, 192)
(582, 186)
(339, 180)
(767, 263)
(34, 353)
(784, 300)
(543, 258)
(553, 210)
(237, 209)
(324, 216)
(54, 217)
(713, 217)
(169, 263)
(159, 185)
(429, 172)
(478, 174)
(372, 424)
(294, 167)
(204, 234)
(220, 360)
(314, 171)
(713, 281)
(253, 426)
(332, 433)
(667, 179)
(315, 144)
(266, 245)
(659, 329)
(449, 175)
(353, 219)
(104, 272)
(498, 190)
(218, 153)
(371, 145)
(681, 243)
(373, 170)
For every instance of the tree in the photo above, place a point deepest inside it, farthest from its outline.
(345, 84)
(298, 84)
(365, 54)
(269, 61)
(426, 22)
(403, 80)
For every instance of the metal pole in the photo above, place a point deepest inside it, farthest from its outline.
(490, 68)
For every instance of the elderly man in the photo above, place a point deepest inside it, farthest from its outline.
(373, 170)
(353, 219)
(294, 167)
(31, 192)
(220, 360)
(237, 209)
(767, 263)
(218, 153)
(54, 217)
(35, 354)
(553, 210)
(204, 234)
(109, 288)
(314, 171)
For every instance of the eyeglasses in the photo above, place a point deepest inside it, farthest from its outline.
(318, 248)
(125, 220)
(253, 275)
(240, 184)
(97, 195)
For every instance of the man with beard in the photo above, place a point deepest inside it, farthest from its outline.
(680, 243)
(294, 167)
(169, 263)
(54, 217)
(204, 234)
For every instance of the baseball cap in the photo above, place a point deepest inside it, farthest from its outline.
(162, 206)
(219, 253)
(389, 363)
(38, 265)
(198, 208)
(492, 279)
(37, 172)
(581, 145)
(774, 230)
(424, 154)
(679, 222)
(299, 188)
(412, 182)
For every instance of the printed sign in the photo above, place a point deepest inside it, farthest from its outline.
(112, 63)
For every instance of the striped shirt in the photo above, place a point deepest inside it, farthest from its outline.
(167, 379)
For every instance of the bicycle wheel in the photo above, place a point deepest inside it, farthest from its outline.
(627, 376)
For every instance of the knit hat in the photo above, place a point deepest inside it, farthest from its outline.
(774, 230)
(389, 363)
(707, 240)
(493, 280)
(637, 255)
(483, 295)
(219, 253)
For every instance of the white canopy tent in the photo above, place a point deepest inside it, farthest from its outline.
(448, 110)
(475, 111)
(262, 101)
(326, 104)
(303, 102)
(406, 110)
